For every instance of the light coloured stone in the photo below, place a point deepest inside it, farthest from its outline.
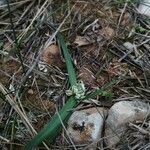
(86, 125)
(119, 115)
(129, 46)
(144, 7)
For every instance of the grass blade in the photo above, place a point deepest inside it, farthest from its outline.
(70, 69)
(54, 126)
(51, 130)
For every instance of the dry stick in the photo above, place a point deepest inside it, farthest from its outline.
(143, 131)
(9, 30)
(49, 41)
(65, 129)
(15, 37)
(125, 55)
(126, 98)
(23, 112)
(145, 75)
(88, 26)
(4, 139)
(138, 79)
(12, 103)
(24, 13)
(35, 17)
(144, 42)
(36, 84)
(121, 16)
(17, 95)
(17, 109)
(11, 4)
(47, 44)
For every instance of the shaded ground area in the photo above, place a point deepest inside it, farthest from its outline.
(108, 42)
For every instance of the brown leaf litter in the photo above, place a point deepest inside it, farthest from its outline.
(52, 56)
(42, 104)
(116, 68)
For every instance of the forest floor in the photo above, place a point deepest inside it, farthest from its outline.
(108, 41)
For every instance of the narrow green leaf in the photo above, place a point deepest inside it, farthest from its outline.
(70, 69)
(52, 129)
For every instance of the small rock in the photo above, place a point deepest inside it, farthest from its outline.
(86, 126)
(144, 7)
(11, 88)
(129, 46)
(119, 115)
(30, 91)
(42, 66)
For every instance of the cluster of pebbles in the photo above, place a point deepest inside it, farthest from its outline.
(96, 124)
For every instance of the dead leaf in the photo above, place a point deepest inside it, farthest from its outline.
(107, 32)
(46, 105)
(116, 68)
(51, 56)
(42, 104)
(86, 76)
(101, 80)
(127, 20)
(81, 41)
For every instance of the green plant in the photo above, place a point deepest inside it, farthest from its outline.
(139, 29)
(77, 94)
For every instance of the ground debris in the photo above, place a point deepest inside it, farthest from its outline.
(109, 44)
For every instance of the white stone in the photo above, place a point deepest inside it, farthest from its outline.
(41, 66)
(11, 88)
(144, 7)
(129, 46)
(119, 115)
(86, 125)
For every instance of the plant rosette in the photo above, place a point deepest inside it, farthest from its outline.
(77, 90)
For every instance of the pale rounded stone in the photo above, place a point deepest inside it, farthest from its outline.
(86, 125)
(119, 115)
(144, 7)
(129, 46)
